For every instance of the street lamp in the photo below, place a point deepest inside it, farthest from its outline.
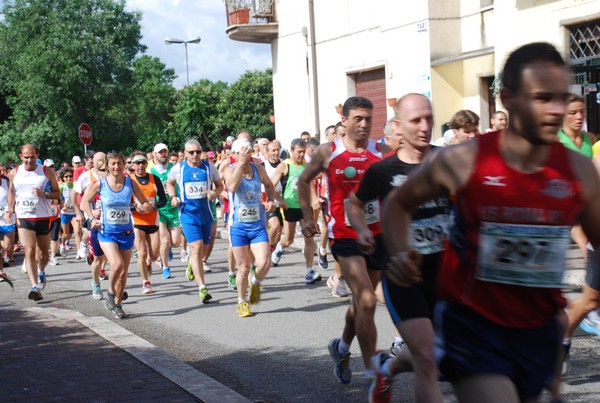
(169, 41)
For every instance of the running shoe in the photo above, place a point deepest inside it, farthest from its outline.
(166, 273)
(2, 275)
(159, 263)
(207, 268)
(380, 390)
(82, 252)
(24, 267)
(109, 302)
(252, 269)
(146, 288)
(255, 292)
(231, 282)
(53, 261)
(341, 368)
(124, 296)
(183, 257)
(204, 295)
(397, 348)
(276, 257)
(243, 310)
(35, 294)
(311, 277)
(103, 274)
(323, 261)
(591, 323)
(189, 273)
(119, 312)
(89, 258)
(16, 247)
(135, 254)
(97, 292)
(338, 286)
(62, 251)
(68, 245)
(6, 259)
(41, 280)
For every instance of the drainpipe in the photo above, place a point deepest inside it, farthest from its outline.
(313, 57)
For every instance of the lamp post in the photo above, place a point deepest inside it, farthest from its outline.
(169, 41)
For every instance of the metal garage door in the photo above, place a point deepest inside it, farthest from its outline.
(371, 84)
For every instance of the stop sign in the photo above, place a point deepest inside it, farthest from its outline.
(85, 134)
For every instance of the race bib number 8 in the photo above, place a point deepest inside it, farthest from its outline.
(195, 190)
(371, 211)
(528, 255)
(118, 215)
(248, 213)
(26, 205)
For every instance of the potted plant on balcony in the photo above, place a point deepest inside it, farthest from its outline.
(239, 11)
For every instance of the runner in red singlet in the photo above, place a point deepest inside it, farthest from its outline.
(516, 195)
(344, 162)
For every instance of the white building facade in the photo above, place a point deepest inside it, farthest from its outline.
(325, 51)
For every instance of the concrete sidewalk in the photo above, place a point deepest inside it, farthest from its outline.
(60, 355)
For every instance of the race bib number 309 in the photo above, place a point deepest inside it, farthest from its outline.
(528, 255)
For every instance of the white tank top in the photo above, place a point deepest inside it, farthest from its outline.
(28, 204)
(271, 172)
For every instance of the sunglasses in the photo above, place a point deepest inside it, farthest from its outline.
(67, 176)
(128, 162)
(102, 170)
(140, 162)
(194, 152)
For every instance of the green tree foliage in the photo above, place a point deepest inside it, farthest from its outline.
(197, 114)
(63, 62)
(247, 105)
(154, 101)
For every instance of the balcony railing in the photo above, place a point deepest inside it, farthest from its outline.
(251, 12)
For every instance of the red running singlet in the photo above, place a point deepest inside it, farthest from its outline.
(508, 234)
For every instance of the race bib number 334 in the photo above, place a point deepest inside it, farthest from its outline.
(527, 255)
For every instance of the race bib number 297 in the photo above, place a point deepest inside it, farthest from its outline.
(528, 255)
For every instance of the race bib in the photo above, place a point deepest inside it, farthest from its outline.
(69, 209)
(195, 190)
(527, 255)
(371, 211)
(294, 183)
(427, 235)
(54, 210)
(249, 213)
(117, 215)
(26, 205)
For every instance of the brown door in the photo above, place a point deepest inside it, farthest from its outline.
(371, 84)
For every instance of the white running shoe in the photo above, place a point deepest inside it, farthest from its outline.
(183, 256)
(53, 261)
(82, 252)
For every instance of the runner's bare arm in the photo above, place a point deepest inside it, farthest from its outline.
(318, 164)
(441, 174)
(145, 204)
(356, 217)
(274, 200)
(54, 192)
(588, 174)
(10, 209)
(233, 176)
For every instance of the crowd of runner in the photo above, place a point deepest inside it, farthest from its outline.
(463, 239)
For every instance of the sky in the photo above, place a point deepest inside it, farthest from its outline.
(216, 57)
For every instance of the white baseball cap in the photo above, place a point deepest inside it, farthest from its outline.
(76, 159)
(48, 163)
(159, 147)
(239, 143)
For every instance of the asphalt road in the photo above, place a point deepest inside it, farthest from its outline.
(280, 354)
